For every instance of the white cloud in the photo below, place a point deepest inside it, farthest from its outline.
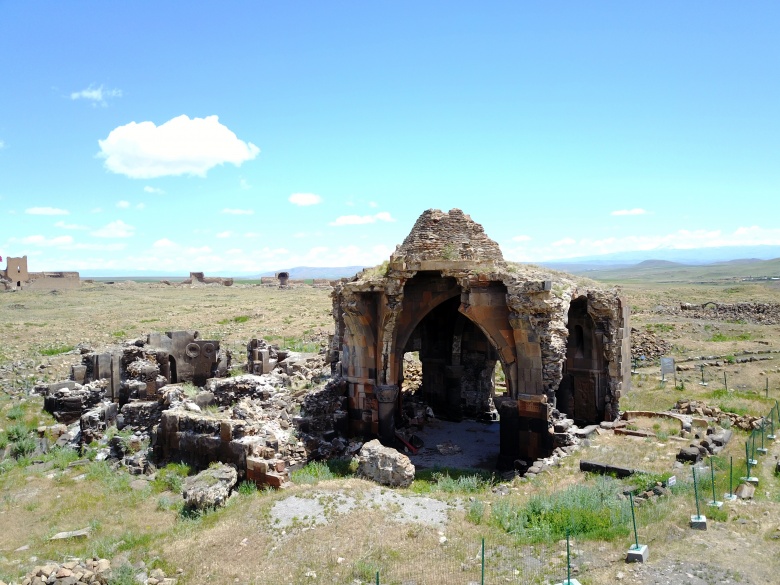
(39, 240)
(115, 229)
(244, 184)
(97, 210)
(140, 206)
(2, 145)
(521, 239)
(70, 226)
(679, 240)
(635, 211)
(164, 243)
(181, 146)
(362, 219)
(226, 234)
(253, 235)
(154, 190)
(115, 247)
(373, 204)
(46, 211)
(96, 95)
(230, 211)
(305, 199)
(123, 204)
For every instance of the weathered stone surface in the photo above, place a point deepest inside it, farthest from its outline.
(210, 488)
(745, 491)
(690, 454)
(385, 465)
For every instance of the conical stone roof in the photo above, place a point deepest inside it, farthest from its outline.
(449, 237)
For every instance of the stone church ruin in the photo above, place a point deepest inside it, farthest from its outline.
(445, 329)
(448, 294)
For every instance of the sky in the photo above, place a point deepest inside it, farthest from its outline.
(244, 137)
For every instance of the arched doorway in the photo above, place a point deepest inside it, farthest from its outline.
(583, 388)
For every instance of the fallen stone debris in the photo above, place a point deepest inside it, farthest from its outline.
(94, 571)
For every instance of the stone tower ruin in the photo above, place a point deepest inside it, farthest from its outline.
(448, 294)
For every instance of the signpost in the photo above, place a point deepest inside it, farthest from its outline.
(667, 367)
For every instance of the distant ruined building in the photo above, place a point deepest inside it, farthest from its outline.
(16, 277)
(448, 294)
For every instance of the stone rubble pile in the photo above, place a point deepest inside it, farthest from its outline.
(757, 313)
(744, 422)
(648, 344)
(88, 572)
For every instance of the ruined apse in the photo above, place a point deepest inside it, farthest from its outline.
(447, 293)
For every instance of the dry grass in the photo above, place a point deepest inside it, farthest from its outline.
(240, 542)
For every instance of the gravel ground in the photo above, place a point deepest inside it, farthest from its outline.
(477, 443)
(319, 506)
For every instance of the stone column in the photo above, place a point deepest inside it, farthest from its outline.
(386, 397)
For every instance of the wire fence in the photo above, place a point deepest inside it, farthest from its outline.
(455, 563)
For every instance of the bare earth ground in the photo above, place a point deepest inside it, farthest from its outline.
(338, 531)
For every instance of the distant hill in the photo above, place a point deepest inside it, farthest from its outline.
(665, 271)
(308, 272)
(690, 257)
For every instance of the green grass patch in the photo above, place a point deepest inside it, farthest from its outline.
(312, 473)
(237, 319)
(316, 471)
(592, 512)
(660, 327)
(171, 477)
(55, 349)
(719, 337)
(451, 481)
(15, 412)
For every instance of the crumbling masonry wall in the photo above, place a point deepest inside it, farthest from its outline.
(17, 277)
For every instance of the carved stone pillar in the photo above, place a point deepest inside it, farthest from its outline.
(386, 397)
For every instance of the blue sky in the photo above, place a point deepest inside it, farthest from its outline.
(244, 137)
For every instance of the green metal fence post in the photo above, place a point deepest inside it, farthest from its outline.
(731, 472)
(377, 578)
(633, 519)
(568, 559)
(483, 561)
(712, 478)
(696, 492)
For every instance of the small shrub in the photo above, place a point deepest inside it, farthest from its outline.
(24, 447)
(124, 575)
(15, 412)
(171, 477)
(476, 512)
(17, 432)
(312, 473)
(247, 488)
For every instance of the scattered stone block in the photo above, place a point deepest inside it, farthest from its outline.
(210, 488)
(385, 465)
(745, 491)
(83, 533)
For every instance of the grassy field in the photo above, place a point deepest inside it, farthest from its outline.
(346, 530)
